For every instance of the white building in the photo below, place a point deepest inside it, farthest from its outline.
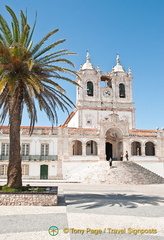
(101, 126)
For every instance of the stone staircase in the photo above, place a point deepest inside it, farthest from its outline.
(120, 173)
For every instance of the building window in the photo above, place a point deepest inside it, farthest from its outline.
(44, 149)
(76, 148)
(25, 149)
(122, 90)
(5, 149)
(3, 169)
(149, 149)
(91, 148)
(89, 122)
(136, 148)
(25, 169)
(89, 88)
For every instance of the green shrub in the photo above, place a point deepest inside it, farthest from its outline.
(27, 188)
(5, 188)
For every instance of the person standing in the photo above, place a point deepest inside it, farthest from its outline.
(127, 156)
(110, 162)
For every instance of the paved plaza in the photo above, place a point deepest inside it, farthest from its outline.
(90, 212)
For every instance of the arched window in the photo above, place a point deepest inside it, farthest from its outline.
(89, 88)
(149, 149)
(91, 148)
(122, 90)
(76, 148)
(136, 149)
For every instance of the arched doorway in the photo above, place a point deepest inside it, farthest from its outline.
(149, 149)
(76, 147)
(109, 149)
(136, 149)
(91, 148)
(114, 144)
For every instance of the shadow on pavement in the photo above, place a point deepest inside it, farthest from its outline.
(89, 201)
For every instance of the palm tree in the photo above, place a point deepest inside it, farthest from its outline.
(27, 76)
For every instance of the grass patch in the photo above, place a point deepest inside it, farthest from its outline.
(27, 188)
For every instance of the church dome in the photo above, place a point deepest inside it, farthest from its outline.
(87, 65)
(118, 67)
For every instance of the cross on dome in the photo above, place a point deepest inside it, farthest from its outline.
(118, 59)
(88, 57)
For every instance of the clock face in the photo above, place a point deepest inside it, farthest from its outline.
(106, 93)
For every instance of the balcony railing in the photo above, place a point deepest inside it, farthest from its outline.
(33, 158)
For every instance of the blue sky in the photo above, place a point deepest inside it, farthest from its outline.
(132, 28)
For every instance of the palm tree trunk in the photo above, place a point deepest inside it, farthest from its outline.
(14, 173)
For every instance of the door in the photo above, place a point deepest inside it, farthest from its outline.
(44, 172)
(109, 151)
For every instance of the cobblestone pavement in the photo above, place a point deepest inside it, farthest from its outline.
(98, 212)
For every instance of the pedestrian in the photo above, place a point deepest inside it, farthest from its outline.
(126, 155)
(121, 157)
(110, 162)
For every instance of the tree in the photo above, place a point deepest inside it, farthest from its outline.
(27, 76)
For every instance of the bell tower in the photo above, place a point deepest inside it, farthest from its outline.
(101, 94)
(88, 92)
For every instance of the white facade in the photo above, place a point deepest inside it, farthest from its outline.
(102, 126)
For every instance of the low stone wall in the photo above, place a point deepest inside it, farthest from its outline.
(47, 198)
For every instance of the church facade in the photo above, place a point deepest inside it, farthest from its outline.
(101, 127)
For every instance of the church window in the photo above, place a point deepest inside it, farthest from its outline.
(136, 149)
(89, 88)
(76, 148)
(149, 149)
(89, 122)
(91, 148)
(122, 90)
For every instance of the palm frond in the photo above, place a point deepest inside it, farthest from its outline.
(31, 71)
(48, 48)
(15, 24)
(24, 35)
(31, 109)
(23, 20)
(60, 60)
(2, 40)
(5, 29)
(36, 48)
(32, 32)
(3, 83)
(51, 55)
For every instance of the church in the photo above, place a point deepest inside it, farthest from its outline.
(102, 126)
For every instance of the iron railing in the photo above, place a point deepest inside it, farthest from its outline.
(33, 158)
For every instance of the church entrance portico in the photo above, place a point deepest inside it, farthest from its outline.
(114, 144)
(109, 151)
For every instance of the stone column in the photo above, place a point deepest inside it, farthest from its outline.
(101, 150)
(84, 149)
(126, 147)
(143, 150)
